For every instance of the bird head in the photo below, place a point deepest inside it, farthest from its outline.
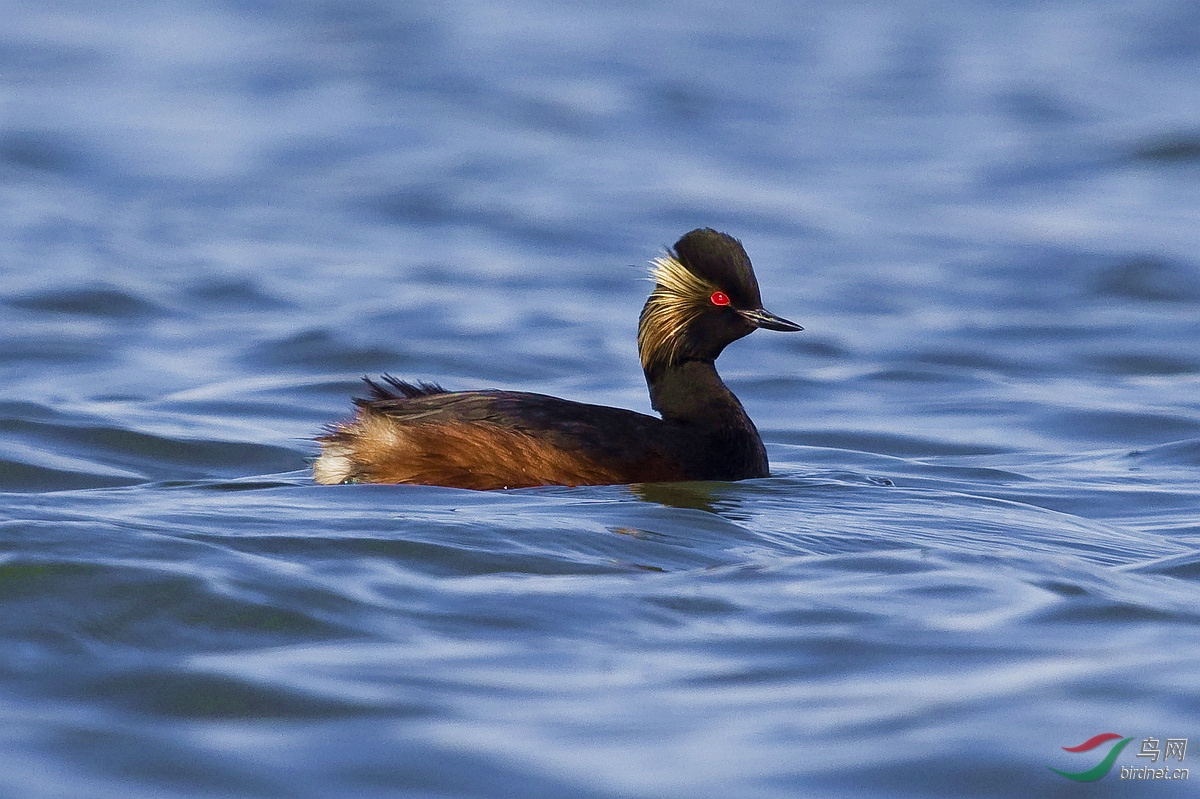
(705, 297)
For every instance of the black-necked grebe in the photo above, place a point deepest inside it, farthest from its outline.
(705, 296)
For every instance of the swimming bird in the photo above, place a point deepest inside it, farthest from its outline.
(705, 297)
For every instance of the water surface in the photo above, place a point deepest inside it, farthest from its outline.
(981, 538)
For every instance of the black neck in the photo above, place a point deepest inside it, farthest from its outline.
(692, 391)
(691, 394)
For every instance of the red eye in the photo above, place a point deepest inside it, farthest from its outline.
(719, 298)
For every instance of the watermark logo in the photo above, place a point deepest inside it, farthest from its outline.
(1104, 766)
(1152, 748)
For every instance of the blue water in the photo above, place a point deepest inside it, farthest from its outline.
(981, 539)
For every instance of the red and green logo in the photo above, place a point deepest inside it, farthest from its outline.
(1104, 766)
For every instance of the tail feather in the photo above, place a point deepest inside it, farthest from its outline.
(398, 389)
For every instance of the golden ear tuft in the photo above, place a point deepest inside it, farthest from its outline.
(679, 296)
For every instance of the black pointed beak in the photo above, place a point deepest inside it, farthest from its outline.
(763, 318)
